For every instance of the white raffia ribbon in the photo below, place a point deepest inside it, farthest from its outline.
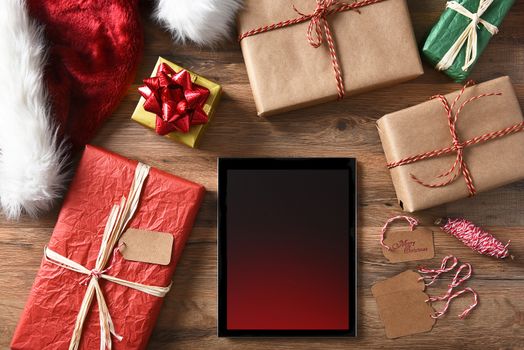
(468, 36)
(116, 223)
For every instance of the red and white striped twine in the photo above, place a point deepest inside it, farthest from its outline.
(94, 273)
(433, 274)
(97, 274)
(464, 313)
(459, 165)
(457, 281)
(476, 238)
(320, 26)
(412, 224)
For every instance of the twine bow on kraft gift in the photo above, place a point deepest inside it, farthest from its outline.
(177, 101)
(460, 165)
(119, 218)
(469, 36)
(318, 28)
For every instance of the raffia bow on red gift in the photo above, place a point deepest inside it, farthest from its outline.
(459, 165)
(177, 101)
(319, 25)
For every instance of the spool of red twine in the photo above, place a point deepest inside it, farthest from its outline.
(474, 237)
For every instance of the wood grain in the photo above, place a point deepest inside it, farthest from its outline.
(346, 128)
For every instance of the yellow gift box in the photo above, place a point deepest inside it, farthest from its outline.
(192, 137)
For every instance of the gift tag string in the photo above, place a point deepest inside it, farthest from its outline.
(412, 224)
(433, 274)
(464, 313)
(98, 274)
(457, 281)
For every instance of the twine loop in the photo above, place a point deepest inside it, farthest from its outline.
(94, 273)
(318, 22)
(318, 27)
(457, 145)
(457, 280)
(433, 274)
(321, 9)
(466, 311)
(411, 221)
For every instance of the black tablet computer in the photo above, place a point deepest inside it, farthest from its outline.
(287, 247)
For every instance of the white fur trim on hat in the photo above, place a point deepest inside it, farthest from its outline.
(31, 157)
(204, 22)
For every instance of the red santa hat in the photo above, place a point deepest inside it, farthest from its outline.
(64, 67)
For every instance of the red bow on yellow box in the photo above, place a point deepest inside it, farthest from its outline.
(175, 99)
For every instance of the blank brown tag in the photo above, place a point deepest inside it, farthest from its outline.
(402, 305)
(147, 246)
(409, 245)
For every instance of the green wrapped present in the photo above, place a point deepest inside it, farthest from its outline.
(462, 33)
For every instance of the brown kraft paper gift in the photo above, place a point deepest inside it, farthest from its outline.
(375, 47)
(424, 128)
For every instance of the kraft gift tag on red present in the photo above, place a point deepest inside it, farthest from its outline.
(147, 246)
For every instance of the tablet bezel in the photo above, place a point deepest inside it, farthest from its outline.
(226, 164)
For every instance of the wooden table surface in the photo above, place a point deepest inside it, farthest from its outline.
(340, 129)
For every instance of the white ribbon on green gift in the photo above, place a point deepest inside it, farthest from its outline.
(468, 36)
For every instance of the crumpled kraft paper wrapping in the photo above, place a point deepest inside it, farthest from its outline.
(424, 127)
(375, 48)
(168, 204)
(449, 27)
(193, 136)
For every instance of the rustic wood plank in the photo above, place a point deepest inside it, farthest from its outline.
(347, 128)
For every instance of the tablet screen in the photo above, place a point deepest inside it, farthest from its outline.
(286, 246)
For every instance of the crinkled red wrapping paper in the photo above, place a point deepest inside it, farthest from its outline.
(167, 204)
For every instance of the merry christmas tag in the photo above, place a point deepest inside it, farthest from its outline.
(402, 305)
(147, 246)
(409, 245)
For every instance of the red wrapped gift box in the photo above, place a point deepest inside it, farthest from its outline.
(167, 204)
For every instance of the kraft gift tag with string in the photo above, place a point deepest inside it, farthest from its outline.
(406, 309)
(407, 245)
